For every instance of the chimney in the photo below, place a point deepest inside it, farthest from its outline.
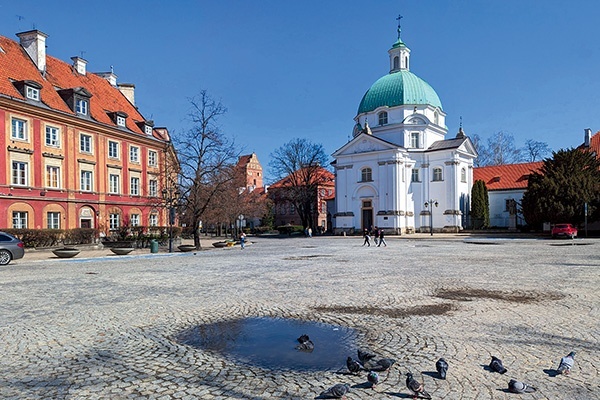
(587, 137)
(128, 90)
(79, 64)
(34, 43)
(109, 76)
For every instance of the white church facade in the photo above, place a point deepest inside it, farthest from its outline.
(399, 172)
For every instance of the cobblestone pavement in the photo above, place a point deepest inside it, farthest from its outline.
(103, 327)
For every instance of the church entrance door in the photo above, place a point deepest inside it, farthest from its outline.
(367, 215)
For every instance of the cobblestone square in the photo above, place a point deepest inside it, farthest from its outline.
(104, 327)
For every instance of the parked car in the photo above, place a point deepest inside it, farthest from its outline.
(11, 248)
(564, 230)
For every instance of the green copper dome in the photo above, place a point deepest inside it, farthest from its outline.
(397, 89)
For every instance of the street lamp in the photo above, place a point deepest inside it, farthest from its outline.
(170, 197)
(431, 203)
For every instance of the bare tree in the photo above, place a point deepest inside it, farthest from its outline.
(299, 165)
(482, 153)
(535, 151)
(206, 157)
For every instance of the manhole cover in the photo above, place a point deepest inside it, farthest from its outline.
(271, 343)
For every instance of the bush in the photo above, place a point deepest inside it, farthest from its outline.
(37, 237)
(80, 236)
(289, 229)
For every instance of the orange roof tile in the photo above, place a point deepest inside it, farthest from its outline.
(322, 176)
(508, 176)
(594, 144)
(15, 65)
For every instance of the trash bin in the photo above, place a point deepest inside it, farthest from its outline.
(153, 246)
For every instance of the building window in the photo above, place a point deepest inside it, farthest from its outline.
(437, 174)
(85, 143)
(120, 120)
(113, 184)
(113, 149)
(81, 107)
(366, 175)
(19, 129)
(52, 176)
(148, 130)
(463, 175)
(114, 221)
(153, 220)
(152, 158)
(134, 219)
(33, 93)
(86, 181)
(19, 219)
(396, 62)
(415, 175)
(414, 140)
(19, 173)
(135, 186)
(383, 118)
(53, 220)
(152, 188)
(52, 136)
(436, 117)
(134, 154)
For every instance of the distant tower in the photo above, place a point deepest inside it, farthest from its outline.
(253, 170)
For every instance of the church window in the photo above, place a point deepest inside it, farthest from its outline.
(396, 62)
(406, 62)
(366, 175)
(436, 118)
(463, 175)
(414, 140)
(437, 174)
(415, 175)
(383, 118)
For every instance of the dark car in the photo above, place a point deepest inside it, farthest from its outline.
(564, 230)
(11, 248)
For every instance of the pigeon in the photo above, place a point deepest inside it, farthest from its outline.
(337, 391)
(381, 365)
(566, 363)
(373, 378)
(303, 338)
(416, 387)
(515, 386)
(442, 368)
(496, 365)
(353, 365)
(307, 346)
(364, 356)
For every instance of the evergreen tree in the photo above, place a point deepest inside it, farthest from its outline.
(558, 192)
(480, 205)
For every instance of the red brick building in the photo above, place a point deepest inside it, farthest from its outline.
(74, 149)
(253, 171)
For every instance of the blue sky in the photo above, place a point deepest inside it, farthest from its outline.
(289, 69)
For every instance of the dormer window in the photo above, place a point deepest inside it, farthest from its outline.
(383, 118)
(29, 89)
(82, 107)
(32, 93)
(120, 120)
(146, 126)
(78, 100)
(148, 130)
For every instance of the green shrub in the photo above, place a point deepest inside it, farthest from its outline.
(80, 236)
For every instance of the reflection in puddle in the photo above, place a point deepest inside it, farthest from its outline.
(271, 343)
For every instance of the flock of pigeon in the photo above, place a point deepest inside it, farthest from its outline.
(368, 362)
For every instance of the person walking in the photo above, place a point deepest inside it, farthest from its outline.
(381, 239)
(367, 238)
(375, 234)
(242, 240)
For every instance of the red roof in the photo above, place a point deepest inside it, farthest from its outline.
(594, 144)
(320, 176)
(508, 176)
(15, 65)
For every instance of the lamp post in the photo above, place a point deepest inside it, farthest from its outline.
(170, 197)
(431, 203)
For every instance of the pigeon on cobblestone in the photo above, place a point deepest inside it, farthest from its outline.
(303, 338)
(416, 387)
(515, 386)
(305, 344)
(373, 378)
(496, 365)
(566, 363)
(380, 365)
(353, 366)
(365, 356)
(337, 391)
(442, 368)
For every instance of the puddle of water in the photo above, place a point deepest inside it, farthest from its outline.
(271, 343)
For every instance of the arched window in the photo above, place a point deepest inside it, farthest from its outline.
(366, 175)
(383, 118)
(463, 175)
(396, 62)
(406, 62)
(436, 117)
(437, 174)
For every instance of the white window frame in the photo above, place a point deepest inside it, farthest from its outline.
(114, 183)
(134, 219)
(85, 143)
(113, 149)
(52, 136)
(463, 175)
(19, 173)
(120, 120)
(382, 118)
(32, 93)
(82, 106)
(114, 221)
(134, 154)
(437, 174)
(366, 175)
(415, 140)
(87, 181)
(153, 220)
(19, 219)
(152, 188)
(53, 220)
(415, 175)
(152, 158)
(18, 129)
(53, 176)
(148, 129)
(134, 186)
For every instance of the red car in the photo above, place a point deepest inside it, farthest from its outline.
(564, 230)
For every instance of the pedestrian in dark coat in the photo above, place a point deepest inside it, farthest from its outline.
(381, 239)
(367, 238)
